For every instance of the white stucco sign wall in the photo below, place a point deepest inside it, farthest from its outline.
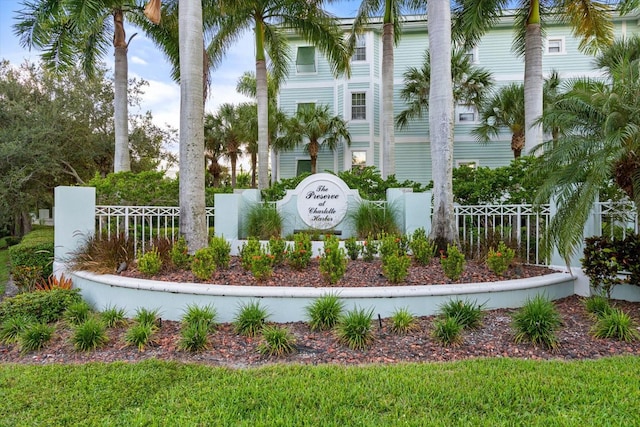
(322, 203)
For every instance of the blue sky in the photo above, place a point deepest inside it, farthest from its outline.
(162, 96)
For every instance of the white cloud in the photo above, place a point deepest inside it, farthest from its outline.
(138, 60)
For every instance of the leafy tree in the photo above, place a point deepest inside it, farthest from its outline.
(315, 127)
(599, 142)
(269, 20)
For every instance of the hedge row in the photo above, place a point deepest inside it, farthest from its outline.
(35, 250)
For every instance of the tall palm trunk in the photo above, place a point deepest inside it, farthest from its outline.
(388, 136)
(192, 202)
(313, 149)
(254, 164)
(233, 159)
(533, 81)
(121, 161)
(443, 226)
(263, 109)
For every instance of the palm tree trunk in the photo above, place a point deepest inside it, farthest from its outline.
(443, 226)
(313, 149)
(192, 202)
(121, 161)
(263, 109)
(517, 144)
(254, 165)
(388, 137)
(233, 160)
(533, 81)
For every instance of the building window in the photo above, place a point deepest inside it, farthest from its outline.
(358, 106)
(466, 114)
(555, 46)
(360, 52)
(358, 160)
(306, 59)
(467, 163)
(303, 166)
(472, 55)
(305, 106)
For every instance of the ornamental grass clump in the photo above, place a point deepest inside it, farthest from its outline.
(276, 341)
(422, 248)
(499, 260)
(203, 264)
(77, 313)
(250, 319)
(452, 262)
(333, 261)
(11, 328)
(616, 324)
(403, 321)
(447, 331)
(113, 316)
(145, 316)
(597, 305)
(89, 334)
(537, 322)
(200, 314)
(354, 328)
(35, 336)
(469, 314)
(323, 313)
(299, 256)
(150, 263)
(194, 337)
(140, 335)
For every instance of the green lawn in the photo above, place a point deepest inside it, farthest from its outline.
(479, 392)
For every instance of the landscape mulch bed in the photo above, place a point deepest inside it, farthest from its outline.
(493, 339)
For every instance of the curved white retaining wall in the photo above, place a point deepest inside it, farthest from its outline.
(287, 304)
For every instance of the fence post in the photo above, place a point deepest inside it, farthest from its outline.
(75, 220)
(417, 212)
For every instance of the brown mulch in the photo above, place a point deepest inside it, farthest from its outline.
(493, 339)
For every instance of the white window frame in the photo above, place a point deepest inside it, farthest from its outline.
(299, 103)
(559, 40)
(467, 162)
(366, 105)
(466, 109)
(315, 60)
(473, 52)
(361, 43)
(359, 150)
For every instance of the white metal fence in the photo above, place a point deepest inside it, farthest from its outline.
(480, 226)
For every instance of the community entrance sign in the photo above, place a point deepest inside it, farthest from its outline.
(322, 202)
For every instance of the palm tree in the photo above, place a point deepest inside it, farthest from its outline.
(72, 31)
(470, 86)
(590, 20)
(315, 127)
(193, 224)
(269, 20)
(443, 225)
(229, 129)
(601, 144)
(391, 12)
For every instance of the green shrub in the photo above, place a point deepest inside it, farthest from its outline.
(140, 335)
(616, 324)
(150, 263)
(250, 249)
(42, 306)
(453, 262)
(145, 316)
(262, 266)
(77, 313)
(323, 313)
(402, 321)
(299, 255)
(605, 257)
(26, 278)
(354, 328)
(194, 337)
(391, 244)
(537, 321)
(35, 250)
(369, 249)
(277, 249)
(221, 250)
(597, 305)
(333, 262)
(278, 190)
(35, 336)
(276, 341)
(469, 314)
(11, 328)
(372, 186)
(369, 219)
(113, 316)
(89, 335)
(422, 248)
(148, 188)
(180, 257)
(396, 267)
(200, 314)
(499, 260)
(250, 319)
(447, 331)
(203, 264)
(353, 248)
(263, 221)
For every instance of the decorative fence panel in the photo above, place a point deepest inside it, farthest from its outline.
(615, 219)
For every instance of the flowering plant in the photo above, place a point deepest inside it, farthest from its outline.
(299, 255)
(499, 261)
(453, 262)
(333, 262)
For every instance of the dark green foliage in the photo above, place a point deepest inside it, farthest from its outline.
(299, 256)
(403, 321)
(194, 337)
(35, 250)
(604, 258)
(469, 314)
(371, 186)
(150, 263)
(369, 219)
(453, 262)
(221, 250)
(616, 324)
(278, 190)
(250, 319)
(251, 248)
(323, 313)
(354, 328)
(35, 336)
(333, 262)
(113, 316)
(89, 334)
(180, 257)
(353, 248)
(277, 249)
(395, 267)
(77, 313)
(263, 221)
(11, 328)
(42, 306)
(537, 322)
(447, 331)
(597, 305)
(26, 278)
(203, 263)
(149, 188)
(422, 248)
(276, 341)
